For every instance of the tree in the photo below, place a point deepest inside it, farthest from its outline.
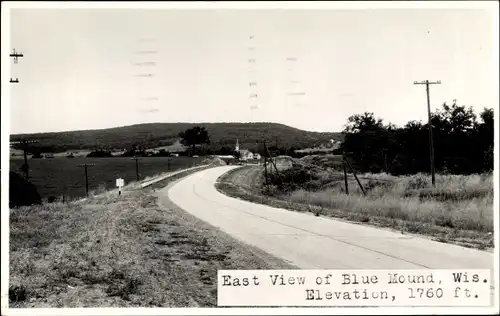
(365, 140)
(485, 137)
(410, 149)
(100, 154)
(225, 150)
(462, 143)
(194, 136)
(453, 131)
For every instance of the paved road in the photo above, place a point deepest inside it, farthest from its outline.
(312, 242)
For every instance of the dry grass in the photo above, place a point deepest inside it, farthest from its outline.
(461, 202)
(119, 251)
(458, 210)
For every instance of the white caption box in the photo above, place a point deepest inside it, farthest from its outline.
(267, 288)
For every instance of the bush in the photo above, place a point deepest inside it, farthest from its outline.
(294, 178)
(17, 294)
(100, 154)
(22, 192)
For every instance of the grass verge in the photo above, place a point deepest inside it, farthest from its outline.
(123, 250)
(462, 221)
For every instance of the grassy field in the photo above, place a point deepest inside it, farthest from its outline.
(61, 176)
(459, 209)
(120, 251)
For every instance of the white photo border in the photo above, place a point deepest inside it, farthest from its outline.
(257, 5)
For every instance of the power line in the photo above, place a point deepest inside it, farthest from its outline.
(431, 141)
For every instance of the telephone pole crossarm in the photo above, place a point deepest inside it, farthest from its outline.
(427, 82)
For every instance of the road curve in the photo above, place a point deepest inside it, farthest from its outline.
(311, 242)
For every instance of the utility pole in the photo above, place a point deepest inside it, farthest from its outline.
(355, 176)
(136, 168)
(15, 55)
(431, 141)
(345, 174)
(277, 149)
(385, 162)
(25, 168)
(265, 162)
(86, 165)
(274, 164)
(265, 168)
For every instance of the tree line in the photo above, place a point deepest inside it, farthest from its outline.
(154, 135)
(463, 142)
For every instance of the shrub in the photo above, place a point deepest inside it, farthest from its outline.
(22, 192)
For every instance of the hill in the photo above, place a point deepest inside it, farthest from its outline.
(153, 135)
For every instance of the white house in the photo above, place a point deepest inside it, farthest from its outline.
(245, 154)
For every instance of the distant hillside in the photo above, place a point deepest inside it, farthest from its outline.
(163, 134)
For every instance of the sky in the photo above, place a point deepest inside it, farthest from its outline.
(312, 68)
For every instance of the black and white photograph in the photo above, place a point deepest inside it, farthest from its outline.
(148, 150)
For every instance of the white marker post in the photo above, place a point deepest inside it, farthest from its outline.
(120, 183)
